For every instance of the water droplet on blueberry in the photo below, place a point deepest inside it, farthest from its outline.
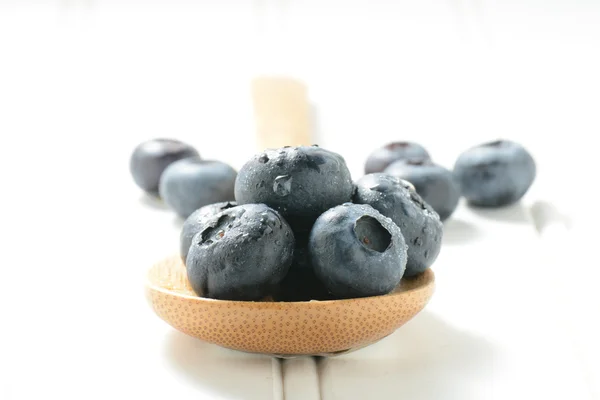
(263, 158)
(282, 185)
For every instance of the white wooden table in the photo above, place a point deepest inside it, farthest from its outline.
(516, 308)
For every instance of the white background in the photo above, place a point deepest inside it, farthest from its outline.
(82, 82)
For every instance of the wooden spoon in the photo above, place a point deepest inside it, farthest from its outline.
(282, 112)
(283, 329)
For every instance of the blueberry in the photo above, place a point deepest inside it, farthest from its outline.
(193, 224)
(301, 257)
(241, 253)
(151, 158)
(300, 182)
(434, 183)
(495, 174)
(384, 156)
(419, 223)
(356, 251)
(191, 183)
(301, 285)
(301, 282)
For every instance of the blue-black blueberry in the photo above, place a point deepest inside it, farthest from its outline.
(419, 223)
(241, 253)
(299, 182)
(301, 282)
(356, 251)
(193, 224)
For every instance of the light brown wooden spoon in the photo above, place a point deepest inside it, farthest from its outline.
(283, 329)
(282, 112)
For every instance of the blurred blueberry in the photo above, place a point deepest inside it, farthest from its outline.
(191, 183)
(495, 174)
(434, 183)
(379, 159)
(149, 160)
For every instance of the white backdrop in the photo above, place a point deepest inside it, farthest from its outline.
(446, 73)
(82, 82)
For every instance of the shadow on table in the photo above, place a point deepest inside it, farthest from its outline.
(151, 201)
(425, 359)
(458, 231)
(545, 213)
(225, 372)
(516, 213)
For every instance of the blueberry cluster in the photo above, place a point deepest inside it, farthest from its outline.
(492, 174)
(300, 229)
(292, 225)
(174, 171)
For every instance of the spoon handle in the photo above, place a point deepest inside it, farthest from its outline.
(282, 112)
(281, 107)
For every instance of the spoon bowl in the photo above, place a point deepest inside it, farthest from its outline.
(283, 329)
